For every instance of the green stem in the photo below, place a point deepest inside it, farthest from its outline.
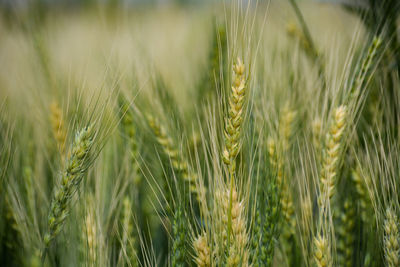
(231, 175)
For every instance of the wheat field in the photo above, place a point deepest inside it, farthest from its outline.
(226, 133)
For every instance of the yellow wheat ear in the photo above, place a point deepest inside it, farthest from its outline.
(322, 254)
(91, 236)
(179, 162)
(203, 251)
(58, 126)
(235, 117)
(235, 241)
(329, 169)
(331, 155)
(233, 123)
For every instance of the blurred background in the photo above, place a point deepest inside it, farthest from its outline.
(84, 41)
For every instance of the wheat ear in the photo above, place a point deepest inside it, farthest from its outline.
(346, 235)
(58, 126)
(73, 173)
(391, 238)
(179, 248)
(330, 163)
(322, 253)
(179, 163)
(271, 198)
(203, 251)
(234, 118)
(237, 250)
(362, 184)
(365, 67)
(233, 130)
(128, 238)
(331, 157)
(130, 130)
(91, 237)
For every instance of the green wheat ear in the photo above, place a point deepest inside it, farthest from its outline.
(75, 168)
(345, 231)
(179, 248)
(129, 129)
(179, 162)
(391, 239)
(361, 185)
(128, 241)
